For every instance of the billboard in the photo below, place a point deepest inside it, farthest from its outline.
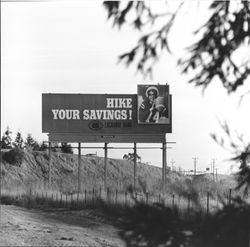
(95, 114)
(153, 104)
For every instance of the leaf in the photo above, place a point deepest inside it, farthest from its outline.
(214, 137)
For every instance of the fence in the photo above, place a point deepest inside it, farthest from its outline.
(206, 203)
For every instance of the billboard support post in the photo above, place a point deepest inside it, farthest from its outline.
(135, 164)
(164, 156)
(49, 182)
(105, 163)
(79, 167)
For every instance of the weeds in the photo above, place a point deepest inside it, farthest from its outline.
(152, 224)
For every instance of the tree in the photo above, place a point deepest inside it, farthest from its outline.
(219, 41)
(31, 143)
(223, 35)
(18, 143)
(130, 157)
(66, 148)
(14, 156)
(220, 38)
(125, 157)
(6, 142)
(43, 147)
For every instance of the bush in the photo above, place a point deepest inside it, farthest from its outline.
(15, 156)
(66, 148)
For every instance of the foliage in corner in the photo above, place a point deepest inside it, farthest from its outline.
(214, 55)
(223, 36)
(150, 45)
(240, 150)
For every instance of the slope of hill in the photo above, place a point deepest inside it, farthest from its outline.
(33, 173)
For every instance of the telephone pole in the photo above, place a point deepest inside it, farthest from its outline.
(213, 167)
(195, 162)
(172, 162)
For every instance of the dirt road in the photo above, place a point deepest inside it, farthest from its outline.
(35, 227)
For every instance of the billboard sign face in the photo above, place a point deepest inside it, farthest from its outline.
(153, 104)
(95, 114)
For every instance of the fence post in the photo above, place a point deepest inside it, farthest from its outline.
(71, 199)
(147, 197)
(93, 195)
(85, 196)
(126, 198)
(207, 203)
(107, 194)
(46, 198)
(172, 200)
(116, 196)
(100, 192)
(188, 203)
(230, 196)
(217, 200)
(61, 198)
(77, 199)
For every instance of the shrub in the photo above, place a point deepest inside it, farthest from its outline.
(66, 148)
(15, 156)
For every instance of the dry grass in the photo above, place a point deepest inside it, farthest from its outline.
(32, 176)
(179, 215)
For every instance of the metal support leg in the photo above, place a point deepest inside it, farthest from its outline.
(49, 182)
(164, 156)
(105, 163)
(79, 167)
(135, 164)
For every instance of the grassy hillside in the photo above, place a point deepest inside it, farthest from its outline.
(33, 173)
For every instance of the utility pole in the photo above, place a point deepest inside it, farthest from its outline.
(172, 162)
(195, 161)
(213, 168)
(164, 161)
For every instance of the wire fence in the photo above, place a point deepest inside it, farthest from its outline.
(203, 202)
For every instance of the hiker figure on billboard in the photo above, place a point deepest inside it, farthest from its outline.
(153, 108)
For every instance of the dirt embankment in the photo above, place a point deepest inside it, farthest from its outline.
(34, 227)
(32, 174)
(34, 170)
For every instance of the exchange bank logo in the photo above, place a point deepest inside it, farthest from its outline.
(95, 125)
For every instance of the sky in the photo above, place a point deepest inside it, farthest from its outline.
(70, 47)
